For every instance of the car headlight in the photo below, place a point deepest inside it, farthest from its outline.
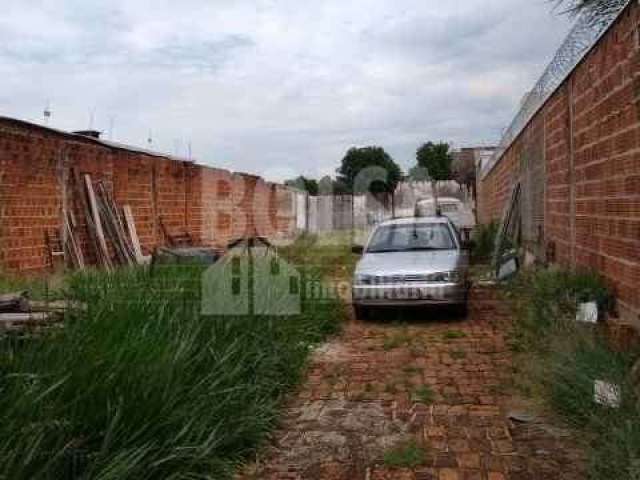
(445, 277)
(359, 279)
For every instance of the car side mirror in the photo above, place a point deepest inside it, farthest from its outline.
(357, 249)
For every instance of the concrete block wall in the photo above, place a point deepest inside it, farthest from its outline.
(36, 185)
(591, 157)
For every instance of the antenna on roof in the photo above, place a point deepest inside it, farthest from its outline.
(47, 113)
(189, 150)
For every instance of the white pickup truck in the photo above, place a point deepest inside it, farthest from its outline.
(459, 213)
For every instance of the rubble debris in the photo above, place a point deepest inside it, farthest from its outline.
(14, 302)
(521, 417)
(587, 312)
(508, 267)
(607, 394)
(186, 255)
(19, 313)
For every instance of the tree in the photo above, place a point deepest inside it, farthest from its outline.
(435, 159)
(463, 170)
(329, 186)
(369, 169)
(419, 174)
(308, 185)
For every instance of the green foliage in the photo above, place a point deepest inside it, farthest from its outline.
(407, 455)
(419, 174)
(369, 169)
(423, 394)
(484, 238)
(330, 255)
(436, 159)
(303, 183)
(453, 334)
(556, 294)
(142, 386)
(38, 288)
(396, 340)
(561, 359)
(329, 186)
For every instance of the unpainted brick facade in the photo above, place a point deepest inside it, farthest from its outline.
(36, 186)
(589, 131)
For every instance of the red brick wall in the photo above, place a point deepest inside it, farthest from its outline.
(36, 164)
(592, 162)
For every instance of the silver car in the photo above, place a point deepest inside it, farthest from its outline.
(412, 261)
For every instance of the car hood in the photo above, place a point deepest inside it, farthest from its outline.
(408, 263)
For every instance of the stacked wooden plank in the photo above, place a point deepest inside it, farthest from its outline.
(19, 313)
(109, 216)
(111, 231)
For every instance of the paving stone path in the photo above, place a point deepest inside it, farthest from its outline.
(434, 383)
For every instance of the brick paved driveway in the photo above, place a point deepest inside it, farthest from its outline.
(437, 385)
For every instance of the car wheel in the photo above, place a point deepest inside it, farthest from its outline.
(461, 310)
(362, 313)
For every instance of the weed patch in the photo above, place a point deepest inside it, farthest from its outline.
(484, 241)
(411, 370)
(458, 354)
(141, 385)
(423, 394)
(453, 334)
(330, 254)
(396, 340)
(562, 359)
(407, 455)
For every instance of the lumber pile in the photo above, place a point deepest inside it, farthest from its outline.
(110, 228)
(12, 302)
(18, 313)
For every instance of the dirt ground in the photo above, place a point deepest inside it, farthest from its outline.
(435, 385)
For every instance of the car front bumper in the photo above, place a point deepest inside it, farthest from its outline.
(410, 294)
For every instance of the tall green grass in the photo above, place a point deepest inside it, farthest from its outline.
(562, 359)
(484, 238)
(331, 254)
(39, 288)
(141, 386)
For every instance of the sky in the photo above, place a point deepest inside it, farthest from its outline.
(276, 87)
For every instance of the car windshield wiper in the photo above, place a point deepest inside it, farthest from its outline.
(385, 250)
(427, 249)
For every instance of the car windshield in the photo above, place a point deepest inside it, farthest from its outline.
(411, 237)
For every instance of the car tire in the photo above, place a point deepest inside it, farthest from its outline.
(361, 312)
(461, 310)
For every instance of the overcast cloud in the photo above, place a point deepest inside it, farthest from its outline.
(276, 87)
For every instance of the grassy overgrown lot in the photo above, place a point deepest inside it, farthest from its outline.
(142, 386)
(331, 254)
(50, 288)
(560, 359)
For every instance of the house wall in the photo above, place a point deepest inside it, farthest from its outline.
(590, 130)
(37, 183)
